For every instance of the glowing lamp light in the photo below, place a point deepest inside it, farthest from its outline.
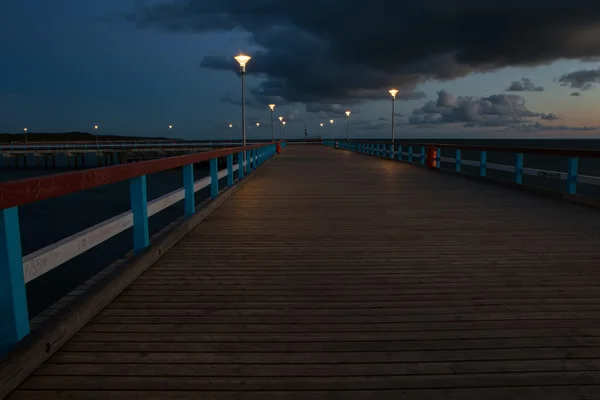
(331, 121)
(231, 125)
(243, 60)
(170, 126)
(258, 124)
(25, 129)
(272, 106)
(347, 113)
(280, 119)
(95, 126)
(393, 93)
(283, 122)
(321, 124)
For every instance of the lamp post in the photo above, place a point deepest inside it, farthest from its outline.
(257, 132)
(243, 59)
(347, 126)
(331, 122)
(96, 132)
(281, 128)
(272, 107)
(321, 129)
(25, 130)
(393, 93)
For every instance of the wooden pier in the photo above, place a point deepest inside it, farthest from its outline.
(329, 274)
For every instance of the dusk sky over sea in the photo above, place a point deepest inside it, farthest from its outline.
(524, 68)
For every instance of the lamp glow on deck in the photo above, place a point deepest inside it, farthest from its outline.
(272, 106)
(393, 92)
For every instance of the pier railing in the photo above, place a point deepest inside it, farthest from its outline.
(16, 270)
(555, 169)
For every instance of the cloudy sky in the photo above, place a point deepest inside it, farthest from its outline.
(511, 68)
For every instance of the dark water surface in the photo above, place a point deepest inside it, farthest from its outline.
(49, 221)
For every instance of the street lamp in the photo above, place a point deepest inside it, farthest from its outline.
(331, 122)
(393, 93)
(272, 107)
(283, 130)
(170, 126)
(25, 130)
(347, 125)
(321, 129)
(257, 131)
(231, 125)
(243, 60)
(96, 131)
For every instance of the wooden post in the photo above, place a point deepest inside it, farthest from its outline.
(14, 316)
(483, 163)
(230, 170)
(188, 186)
(214, 178)
(519, 169)
(572, 175)
(139, 208)
(240, 165)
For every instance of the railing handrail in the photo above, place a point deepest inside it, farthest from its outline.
(504, 149)
(23, 191)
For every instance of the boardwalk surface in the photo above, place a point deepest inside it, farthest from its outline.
(333, 275)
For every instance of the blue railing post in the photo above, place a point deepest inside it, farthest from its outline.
(188, 187)
(438, 158)
(457, 157)
(399, 152)
(410, 154)
(14, 318)
(214, 178)
(240, 165)
(519, 168)
(483, 163)
(139, 208)
(391, 151)
(230, 170)
(423, 155)
(572, 175)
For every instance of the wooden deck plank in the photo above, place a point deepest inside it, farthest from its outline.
(333, 275)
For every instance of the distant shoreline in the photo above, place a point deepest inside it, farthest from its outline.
(37, 137)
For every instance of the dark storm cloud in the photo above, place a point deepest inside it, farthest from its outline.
(576, 94)
(524, 85)
(495, 110)
(327, 51)
(584, 79)
(550, 117)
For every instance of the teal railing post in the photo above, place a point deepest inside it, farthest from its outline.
(188, 187)
(214, 178)
(483, 163)
(248, 162)
(139, 208)
(457, 157)
(572, 175)
(519, 169)
(423, 155)
(230, 170)
(410, 153)
(14, 316)
(399, 152)
(392, 151)
(438, 158)
(240, 165)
